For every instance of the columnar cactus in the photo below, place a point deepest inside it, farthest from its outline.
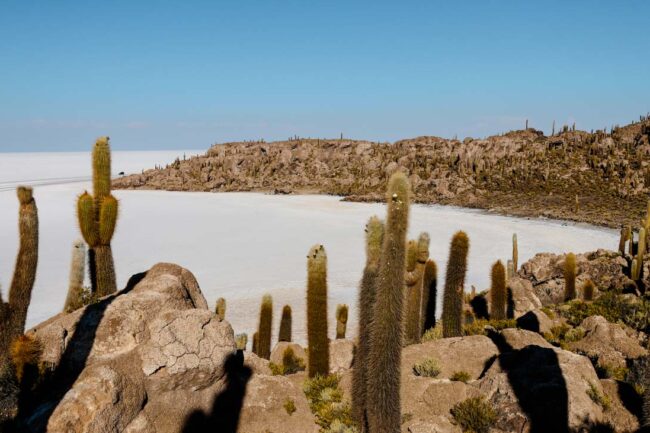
(625, 233)
(13, 313)
(285, 324)
(515, 252)
(97, 216)
(588, 291)
(341, 320)
(498, 292)
(452, 307)
(570, 277)
(640, 252)
(75, 298)
(429, 295)
(367, 290)
(255, 342)
(414, 283)
(264, 330)
(241, 340)
(318, 344)
(220, 309)
(384, 357)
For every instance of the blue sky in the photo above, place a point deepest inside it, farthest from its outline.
(186, 74)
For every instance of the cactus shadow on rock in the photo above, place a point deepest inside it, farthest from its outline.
(547, 406)
(37, 407)
(227, 405)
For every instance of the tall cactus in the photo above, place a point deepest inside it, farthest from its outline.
(97, 215)
(255, 342)
(515, 252)
(429, 295)
(452, 307)
(374, 241)
(384, 358)
(75, 298)
(13, 313)
(414, 282)
(640, 252)
(341, 320)
(570, 277)
(285, 324)
(498, 292)
(318, 344)
(264, 330)
(220, 309)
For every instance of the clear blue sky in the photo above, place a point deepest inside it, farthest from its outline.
(186, 74)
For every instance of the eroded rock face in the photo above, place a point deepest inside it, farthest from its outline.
(523, 296)
(139, 360)
(609, 344)
(341, 355)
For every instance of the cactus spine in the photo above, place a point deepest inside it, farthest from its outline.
(264, 330)
(452, 307)
(384, 358)
(515, 252)
(429, 295)
(498, 292)
(415, 282)
(220, 309)
(341, 320)
(97, 215)
(75, 298)
(374, 241)
(285, 324)
(570, 277)
(318, 350)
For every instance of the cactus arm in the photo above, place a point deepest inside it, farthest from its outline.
(86, 219)
(107, 219)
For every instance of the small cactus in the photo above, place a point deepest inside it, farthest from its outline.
(640, 252)
(570, 277)
(76, 291)
(374, 240)
(264, 330)
(241, 340)
(285, 324)
(414, 284)
(625, 233)
(384, 357)
(25, 351)
(588, 291)
(498, 292)
(452, 307)
(515, 252)
(341, 320)
(220, 309)
(318, 343)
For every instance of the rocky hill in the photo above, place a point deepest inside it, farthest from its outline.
(601, 177)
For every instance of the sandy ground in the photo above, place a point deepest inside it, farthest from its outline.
(242, 245)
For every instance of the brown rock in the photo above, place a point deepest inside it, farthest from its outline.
(278, 352)
(523, 296)
(341, 355)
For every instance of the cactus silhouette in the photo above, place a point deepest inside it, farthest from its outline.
(264, 330)
(384, 357)
(498, 292)
(97, 215)
(452, 307)
(570, 277)
(75, 298)
(220, 309)
(318, 344)
(429, 295)
(414, 284)
(285, 324)
(374, 241)
(341, 320)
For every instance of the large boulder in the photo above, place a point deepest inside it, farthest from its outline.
(143, 358)
(536, 321)
(609, 344)
(522, 296)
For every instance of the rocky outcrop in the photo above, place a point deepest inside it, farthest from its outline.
(608, 344)
(607, 269)
(522, 296)
(519, 172)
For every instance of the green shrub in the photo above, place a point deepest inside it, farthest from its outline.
(326, 403)
(290, 406)
(550, 313)
(608, 371)
(477, 327)
(613, 307)
(461, 376)
(427, 368)
(597, 397)
(291, 364)
(474, 415)
(563, 334)
(431, 334)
